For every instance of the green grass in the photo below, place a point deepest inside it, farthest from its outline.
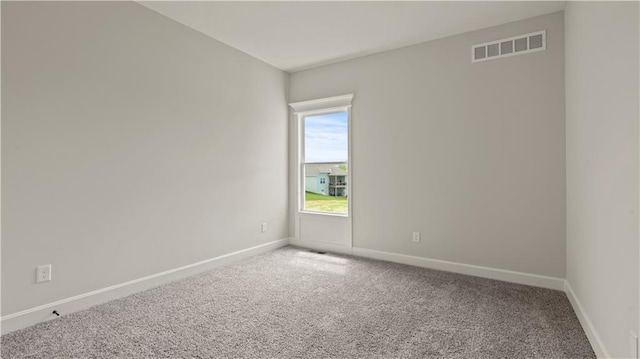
(318, 202)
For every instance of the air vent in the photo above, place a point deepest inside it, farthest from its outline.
(517, 45)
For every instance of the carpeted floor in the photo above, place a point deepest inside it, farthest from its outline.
(292, 303)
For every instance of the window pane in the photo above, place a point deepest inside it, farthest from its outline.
(325, 187)
(325, 138)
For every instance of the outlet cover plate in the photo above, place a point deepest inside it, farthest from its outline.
(43, 273)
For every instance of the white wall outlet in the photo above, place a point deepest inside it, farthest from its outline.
(43, 273)
(264, 227)
(633, 342)
(416, 237)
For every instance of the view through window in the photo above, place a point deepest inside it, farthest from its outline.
(326, 174)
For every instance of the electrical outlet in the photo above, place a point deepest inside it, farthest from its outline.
(43, 273)
(416, 237)
(264, 227)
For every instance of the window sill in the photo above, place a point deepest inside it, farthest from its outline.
(345, 215)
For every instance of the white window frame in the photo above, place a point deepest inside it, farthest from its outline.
(313, 108)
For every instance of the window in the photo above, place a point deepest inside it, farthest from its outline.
(322, 155)
(326, 151)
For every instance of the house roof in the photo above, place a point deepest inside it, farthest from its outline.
(331, 170)
(337, 171)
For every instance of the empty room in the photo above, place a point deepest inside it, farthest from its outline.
(320, 179)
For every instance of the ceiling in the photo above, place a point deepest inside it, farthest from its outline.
(294, 36)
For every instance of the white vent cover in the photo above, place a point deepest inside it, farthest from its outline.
(517, 45)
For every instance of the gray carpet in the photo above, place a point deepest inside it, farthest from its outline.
(292, 303)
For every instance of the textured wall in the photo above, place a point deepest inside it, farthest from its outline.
(602, 166)
(131, 145)
(470, 155)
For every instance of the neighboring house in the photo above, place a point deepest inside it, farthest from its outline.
(325, 179)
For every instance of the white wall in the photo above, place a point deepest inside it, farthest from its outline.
(471, 155)
(602, 166)
(131, 145)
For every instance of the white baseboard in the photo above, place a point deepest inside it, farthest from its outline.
(320, 246)
(41, 313)
(587, 326)
(468, 269)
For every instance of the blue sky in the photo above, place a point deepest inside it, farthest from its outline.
(325, 138)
